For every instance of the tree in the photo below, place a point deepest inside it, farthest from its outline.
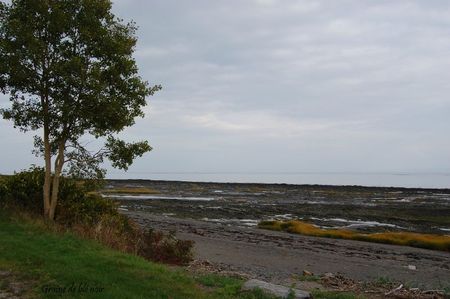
(68, 68)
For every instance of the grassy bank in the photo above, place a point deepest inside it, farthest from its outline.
(47, 264)
(428, 241)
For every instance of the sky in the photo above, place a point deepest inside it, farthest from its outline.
(267, 86)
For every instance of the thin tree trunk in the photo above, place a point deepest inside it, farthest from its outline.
(47, 146)
(48, 172)
(59, 162)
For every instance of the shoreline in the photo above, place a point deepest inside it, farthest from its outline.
(278, 257)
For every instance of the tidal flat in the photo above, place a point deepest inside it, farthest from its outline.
(365, 209)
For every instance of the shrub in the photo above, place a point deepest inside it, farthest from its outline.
(166, 248)
(114, 231)
(91, 216)
(82, 208)
(23, 190)
(2, 191)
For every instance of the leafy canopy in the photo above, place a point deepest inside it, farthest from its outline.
(67, 66)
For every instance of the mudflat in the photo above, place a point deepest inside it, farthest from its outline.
(367, 209)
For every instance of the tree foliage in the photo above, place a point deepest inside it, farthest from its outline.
(68, 68)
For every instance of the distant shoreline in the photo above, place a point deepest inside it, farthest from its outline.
(331, 186)
(394, 180)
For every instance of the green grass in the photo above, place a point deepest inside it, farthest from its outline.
(47, 259)
(309, 278)
(226, 287)
(383, 280)
(335, 295)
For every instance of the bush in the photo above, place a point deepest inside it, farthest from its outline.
(92, 216)
(116, 232)
(82, 208)
(2, 191)
(24, 190)
(166, 248)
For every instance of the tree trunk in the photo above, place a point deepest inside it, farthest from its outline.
(48, 172)
(59, 162)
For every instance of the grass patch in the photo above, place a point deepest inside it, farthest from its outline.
(428, 241)
(304, 277)
(130, 191)
(256, 189)
(383, 281)
(335, 295)
(196, 188)
(209, 280)
(309, 278)
(61, 265)
(227, 287)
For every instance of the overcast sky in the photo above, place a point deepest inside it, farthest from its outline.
(286, 86)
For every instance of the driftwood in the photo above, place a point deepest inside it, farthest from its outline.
(433, 291)
(394, 290)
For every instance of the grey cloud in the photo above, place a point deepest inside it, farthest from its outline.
(309, 85)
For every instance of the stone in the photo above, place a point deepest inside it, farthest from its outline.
(274, 289)
(5, 273)
(412, 267)
(307, 273)
(5, 295)
(16, 287)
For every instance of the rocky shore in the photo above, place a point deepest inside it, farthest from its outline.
(281, 258)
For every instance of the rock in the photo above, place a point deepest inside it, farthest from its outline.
(307, 273)
(328, 275)
(5, 295)
(274, 289)
(5, 273)
(412, 267)
(199, 232)
(16, 287)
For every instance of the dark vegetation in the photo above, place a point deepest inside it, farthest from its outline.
(89, 215)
